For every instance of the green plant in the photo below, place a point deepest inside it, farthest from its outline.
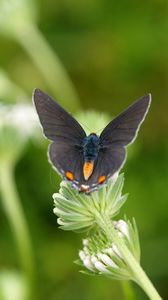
(111, 248)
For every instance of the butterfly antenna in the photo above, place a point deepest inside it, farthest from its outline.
(85, 126)
(101, 129)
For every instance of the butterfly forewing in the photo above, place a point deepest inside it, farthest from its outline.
(58, 125)
(123, 129)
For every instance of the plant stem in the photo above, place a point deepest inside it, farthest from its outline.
(49, 65)
(128, 290)
(138, 273)
(15, 215)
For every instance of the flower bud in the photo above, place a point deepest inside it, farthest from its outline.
(99, 257)
(78, 211)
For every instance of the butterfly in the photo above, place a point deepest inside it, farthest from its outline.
(87, 161)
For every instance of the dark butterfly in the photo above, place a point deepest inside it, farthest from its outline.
(88, 161)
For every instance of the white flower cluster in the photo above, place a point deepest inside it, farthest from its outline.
(18, 123)
(98, 262)
(107, 260)
(21, 117)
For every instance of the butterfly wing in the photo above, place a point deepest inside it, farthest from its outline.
(58, 125)
(66, 154)
(67, 160)
(123, 129)
(109, 162)
(117, 134)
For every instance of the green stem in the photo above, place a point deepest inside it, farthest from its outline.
(49, 65)
(15, 215)
(138, 273)
(128, 290)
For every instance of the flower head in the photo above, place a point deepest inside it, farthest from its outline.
(78, 211)
(102, 257)
(95, 213)
(17, 123)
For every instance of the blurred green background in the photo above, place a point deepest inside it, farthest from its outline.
(114, 53)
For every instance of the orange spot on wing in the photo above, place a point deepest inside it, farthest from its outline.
(69, 175)
(101, 179)
(88, 169)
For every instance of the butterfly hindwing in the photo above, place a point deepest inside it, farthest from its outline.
(67, 160)
(107, 164)
(109, 161)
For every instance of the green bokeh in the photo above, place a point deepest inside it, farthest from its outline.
(115, 52)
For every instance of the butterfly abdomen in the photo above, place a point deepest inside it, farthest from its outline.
(90, 153)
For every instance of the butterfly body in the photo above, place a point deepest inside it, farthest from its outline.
(87, 162)
(90, 153)
(91, 146)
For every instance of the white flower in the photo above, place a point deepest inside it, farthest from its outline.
(17, 123)
(122, 227)
(21, 117)
(93, 259)
(101, 257)
(85, 242)
(109, 251)
(82, 255)
(106, 260)
(116, 251)
(101, 267)
(88, 264)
